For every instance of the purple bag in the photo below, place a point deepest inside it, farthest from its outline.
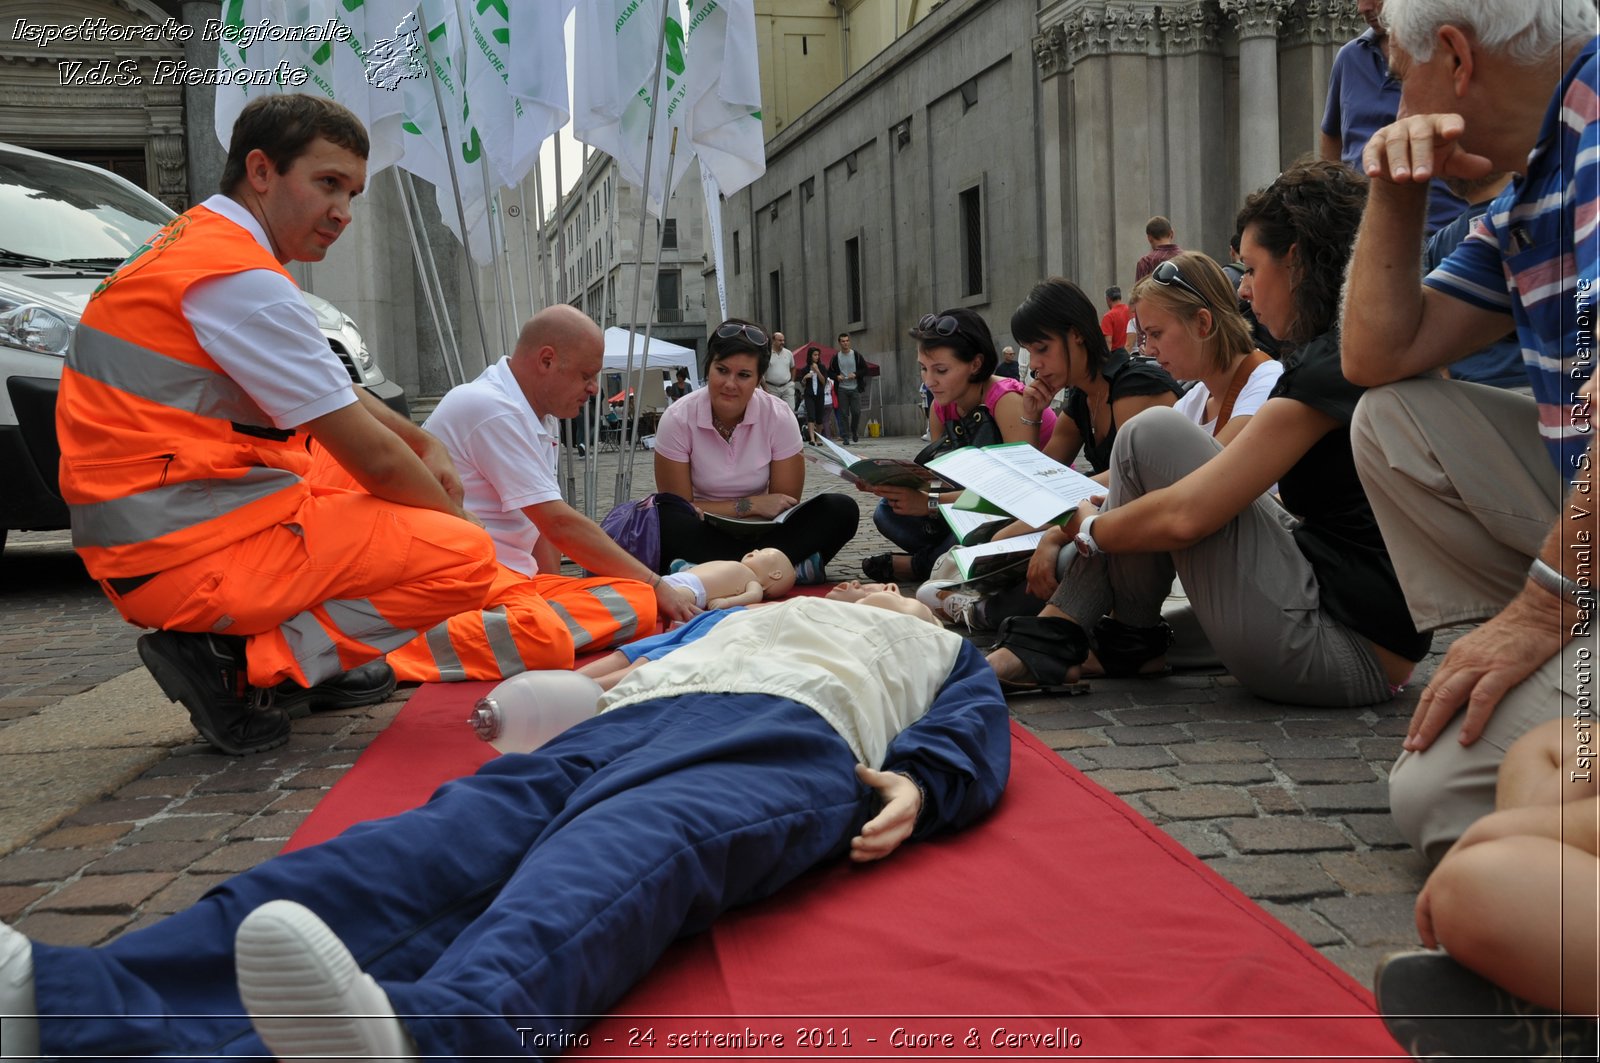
(636, 526)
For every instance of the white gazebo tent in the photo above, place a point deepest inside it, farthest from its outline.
(663, 355)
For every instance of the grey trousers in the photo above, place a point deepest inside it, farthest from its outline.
(1464, 490)
(849, 412)
(1253, 592)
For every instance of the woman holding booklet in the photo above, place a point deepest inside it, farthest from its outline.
(1299, 600)
(1105, 389)
(1194, 331)
(733, 451)
(971, 406)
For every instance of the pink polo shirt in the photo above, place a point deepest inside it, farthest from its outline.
(723, 469)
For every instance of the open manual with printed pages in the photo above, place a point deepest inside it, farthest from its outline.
(1018, 479)
(867, 472)
(985, 559)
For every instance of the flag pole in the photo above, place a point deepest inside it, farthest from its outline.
(504, 298)
(591, 479)
(649, 324)
(620, 493)
(544, 243)
(455, 189)
(428, 267)
(561, 233)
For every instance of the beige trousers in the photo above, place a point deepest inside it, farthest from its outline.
(1465, 493)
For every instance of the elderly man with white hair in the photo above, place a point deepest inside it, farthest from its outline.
(1483, 495)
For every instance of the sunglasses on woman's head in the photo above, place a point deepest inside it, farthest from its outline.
(939, 326)
(730, 329)
(1168, 273)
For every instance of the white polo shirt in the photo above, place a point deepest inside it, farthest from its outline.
(507, 456)
(258, 328)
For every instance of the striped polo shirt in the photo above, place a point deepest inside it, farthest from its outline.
(1533, 256)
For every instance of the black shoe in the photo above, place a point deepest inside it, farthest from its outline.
(367, 685)
(879, 568)
(1434, 1007)
(206, 675)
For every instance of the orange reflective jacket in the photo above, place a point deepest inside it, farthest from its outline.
(163, 457)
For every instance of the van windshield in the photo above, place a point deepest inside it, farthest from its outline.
(55, 211)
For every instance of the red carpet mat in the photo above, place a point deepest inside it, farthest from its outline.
(1062, 926)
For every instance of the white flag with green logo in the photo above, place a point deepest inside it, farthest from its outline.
(516, 62)
(362, 80)
(724, 100)
(430, 149)
(616, 44)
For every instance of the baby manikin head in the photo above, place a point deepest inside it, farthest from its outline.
(773, 570)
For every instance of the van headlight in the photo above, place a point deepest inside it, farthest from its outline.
(32, 327)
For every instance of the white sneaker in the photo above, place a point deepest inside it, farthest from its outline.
(19, 1012)
(931, 594)
(948, 601)
(306, 995)
(962, 607)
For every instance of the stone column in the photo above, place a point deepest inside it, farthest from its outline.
(205, 153)
(1055, 110)
(1259, 156)
(1310, 37)
(1200, 187)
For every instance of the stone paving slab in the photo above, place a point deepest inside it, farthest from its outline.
(1286, 802)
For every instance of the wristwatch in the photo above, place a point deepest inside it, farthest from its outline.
(933, 502)
(1087, 547)
(1568, 590)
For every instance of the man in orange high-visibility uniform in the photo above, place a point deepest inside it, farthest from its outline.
(501, 430)
(200, 413)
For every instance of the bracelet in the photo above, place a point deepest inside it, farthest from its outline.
(1566, 589)
(655, 581)
(1031, 424)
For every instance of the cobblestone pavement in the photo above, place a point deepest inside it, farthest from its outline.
(1288, 803)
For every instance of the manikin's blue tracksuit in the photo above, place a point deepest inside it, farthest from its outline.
(546, 884)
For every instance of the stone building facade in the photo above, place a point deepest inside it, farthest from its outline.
(600, 250)
(996, 142)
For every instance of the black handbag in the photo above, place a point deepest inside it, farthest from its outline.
(976, 429)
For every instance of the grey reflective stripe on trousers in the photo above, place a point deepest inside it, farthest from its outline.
(444, 654)
(626, 619)
(497, 629)
(148, 515)
(167, 381)
(356, 619)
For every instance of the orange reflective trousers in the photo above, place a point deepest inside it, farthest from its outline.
(347, 578)
(528, 623)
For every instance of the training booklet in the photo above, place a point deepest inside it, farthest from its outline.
(986, 558)
(752, 526)
(1019, 479)
(867, 472)
(966, 521)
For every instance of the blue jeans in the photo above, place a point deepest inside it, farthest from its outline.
(685, 813)
(924, 538)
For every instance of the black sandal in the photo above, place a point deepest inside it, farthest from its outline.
(1048, 648)
(1123, 649)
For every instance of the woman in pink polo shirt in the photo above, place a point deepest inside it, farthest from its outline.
(734, 451)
